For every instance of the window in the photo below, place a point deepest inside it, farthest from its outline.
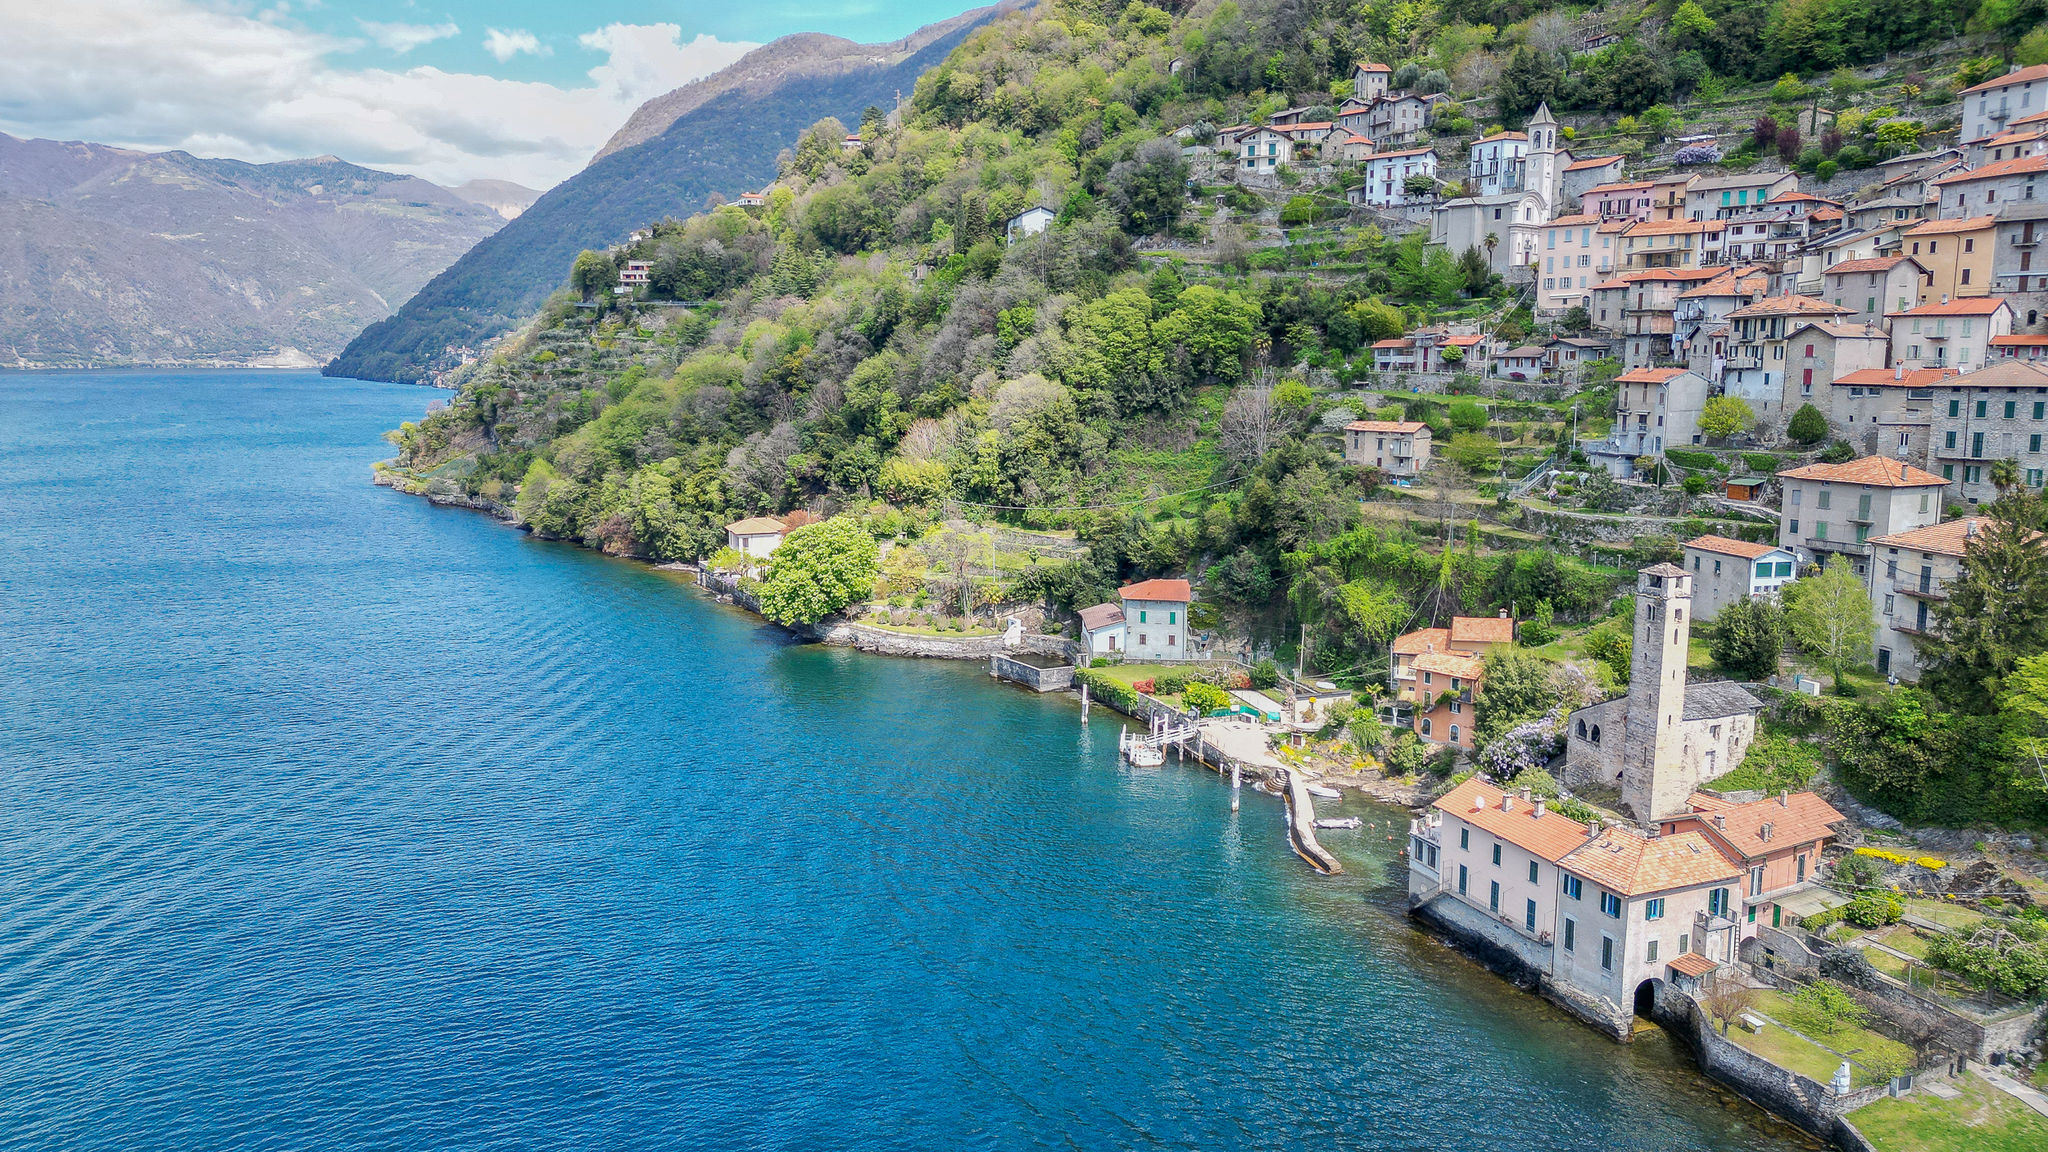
(1802, 869)
(1717, 902)
(1529, 916)
(1717, 567)
(2034, 442)
(1653, 909)
(1948, 439)
(1573, 887)
(1826, 500)
(1532, 871)
(1571, 933)
(1955, 409)
(1650, 952)
(1610, 904)
(1141, 611)
(1454, 733)
(1607, 953)
(2010, 406)
(1172, 618)
(1756, 880)
(1981, 405)
(1795, 528)
(1463, 876)
(1496, 855)
(1425, 725)
(1684, 943)
(1465, 839)
(1493, 897)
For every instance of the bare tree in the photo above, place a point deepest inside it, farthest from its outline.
(1726, 998)
(1251, 423)
(1551, 32)
(1478, 72)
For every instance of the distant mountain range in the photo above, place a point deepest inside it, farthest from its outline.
(110, 256)
(501, 196)
(718, 135)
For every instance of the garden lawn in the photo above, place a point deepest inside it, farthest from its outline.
(1982, 1119)
(1946, 914)
(1129, 674)
(1788, 1051)
(1849, 1040)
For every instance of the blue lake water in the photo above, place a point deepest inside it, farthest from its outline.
(336, 820)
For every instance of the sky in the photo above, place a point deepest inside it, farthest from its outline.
(520, 90)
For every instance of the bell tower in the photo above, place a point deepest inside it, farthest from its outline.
(1654, 781)
(1543, 169)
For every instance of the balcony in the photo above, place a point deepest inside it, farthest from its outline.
(1911, 628)
(1743, 361)
(1921, 589)
(2025, 241)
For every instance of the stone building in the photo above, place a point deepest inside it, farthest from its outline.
(1725, 571)
(1156, 619)
(1998, 412)
(1665, 738)
(1832, 510)
(1396, 447)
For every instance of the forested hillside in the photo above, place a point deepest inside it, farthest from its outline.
(726, 145)
(1159, 377)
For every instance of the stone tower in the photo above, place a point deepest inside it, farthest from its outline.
(1542, 171)
(1653, 780)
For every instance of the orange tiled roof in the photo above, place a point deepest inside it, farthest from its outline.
(1790, 305)
(1632, 864)
(1727, 547)
(1467, 668)
(1580, 218)
(2037, 72)
(1619, 186)
(1394, 342)
(1692, 964)
(1482, 630)
(1157, 590)
(1967, 306)
(1800, 818)
(1667, 227)
(1949, 537)
(1649, 375)
(1385, 426)
(2008, 373)
(1422, 640)
(1872, 264)
(1875, 471)
(2015, 166)
(1886, 377)
(1591, 162)
(1944, 227)
(1477, 802)
(1501, 136)
(2018, 341)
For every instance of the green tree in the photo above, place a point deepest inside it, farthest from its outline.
(1831, 618)
(1808, 425)
(1209, 331)
(820, 569)
(1475, 452)
(2024, 699)
(1518, 686)
(1468, 416)
(1746, 638)
(1996, 610)
(1724, 416)
(592, 273)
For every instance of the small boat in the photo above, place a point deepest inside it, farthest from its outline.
(1338, 822)
(1324, 792)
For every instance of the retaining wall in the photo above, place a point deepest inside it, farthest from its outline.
(1808, 1103)
(1030, 675)
(1523, 961)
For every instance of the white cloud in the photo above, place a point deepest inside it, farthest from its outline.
(401, 38)
(181, 74)
(506, 45)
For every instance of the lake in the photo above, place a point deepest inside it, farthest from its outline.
(337, 820)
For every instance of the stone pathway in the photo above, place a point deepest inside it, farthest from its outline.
(1997, 1078)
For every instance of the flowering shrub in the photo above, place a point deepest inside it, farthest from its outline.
(1698, 154)
(1525, 747)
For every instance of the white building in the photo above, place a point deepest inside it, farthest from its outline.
(1955, 334)
(1909, 574)
(1102, 629)
(1511, 221)
(1831, 511)
(1156, 619)
(1495, 164)
(1387, 175)
(1989, 106)
(1030, 222)
(755, 536)
(1725, 571)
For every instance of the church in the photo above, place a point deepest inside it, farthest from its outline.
(1665, 739)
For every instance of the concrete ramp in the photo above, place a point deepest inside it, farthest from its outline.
(1301, 826)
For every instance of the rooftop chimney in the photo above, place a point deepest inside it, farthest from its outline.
(1970, 528)
(1525, 793)
(1539, 807)
(1764, 832)
(1902, 469)
(1899, 370)
(1784, 798)
(1720, 822)
(1593, 828)
(1503, 613)
(1507, 802)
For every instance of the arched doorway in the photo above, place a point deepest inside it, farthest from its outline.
(1646, 998)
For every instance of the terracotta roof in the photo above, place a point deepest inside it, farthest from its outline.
(1649, 375)
(1887, 378)
(1626, 861)
(1619, 186)
(1524, 352)
(1374, 68)
(1949, 537)
(1157, 590)
(2037, 72)
(1671, 274)
(1501, 136)
(1405, 152)
(1875, 471)
(1394, 342)
(1967, 306)
(756, 526)
(1580, 218)
(1801, 818)
(2018, 341)
(1422, 640)
(1791, 197)
(2015, 166)
(1477, 802)
(1467, 668)
(1872, 264)
(1944, 227)
(1790, 305)
(2040, 117)
(1592, 162)
(1727, 547)
(1101, 616)
(1841, 331)
(1617, 283)
(1692, 964)
(2008, 373)
(1482, 630)
(1828, 213)
(1463, 341)
(1385, 426)
(1724, 284)
(1672, 227)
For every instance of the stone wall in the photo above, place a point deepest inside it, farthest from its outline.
(1030, 675)
(1808, 1103)
(1523, 961)
(1925, 1020)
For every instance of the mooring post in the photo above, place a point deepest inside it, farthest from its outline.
(1084, 703)
(1234, 782)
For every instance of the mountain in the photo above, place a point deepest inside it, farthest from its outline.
(721, 138)
(501, 196)
(112, 256)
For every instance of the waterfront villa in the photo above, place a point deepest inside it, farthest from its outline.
(755, 536)
(1725, 571)
(1156, 619)
(1439, 672)
(1777, 841)
(1102, 629)
(1665, 738)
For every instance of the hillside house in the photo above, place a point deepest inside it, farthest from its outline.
(1725, 571)
(1909, 575)
(1524, 363)
(1953, 334)
(1737, 195)
(1887, 411)
(1998, 412)
(1387, 175)
(2018, 270)
(1759, 348)
(1494, 166)
(1986, 189)
(1156, 619)
(2033, 349)
(1653, 244)
(1816, 351)
(1776, 841)
(1988, 107)
(1029, 222)
(1874, 288)
(1369, 81)
(1617, 201)
(1657, 408)
(1396, 447)
(1511, 221)
(755, 536)
(1102, 629)
(1441, 696)
(1830, 511)
(1957, 256)
(1576, 255)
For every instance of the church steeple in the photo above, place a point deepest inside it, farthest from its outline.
(1544, 168)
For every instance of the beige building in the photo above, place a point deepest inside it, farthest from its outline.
(1957, 256)
(1725, 571)
(1832, 510)
(1874, 288)
(1887, 411)
(1909, 574)
(1396, 447)
(1651, 244)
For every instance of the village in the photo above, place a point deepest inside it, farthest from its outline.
(1842, 387)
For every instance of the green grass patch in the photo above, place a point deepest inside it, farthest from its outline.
(1981, 1119)
(1946, 914)
(1850, 1040)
